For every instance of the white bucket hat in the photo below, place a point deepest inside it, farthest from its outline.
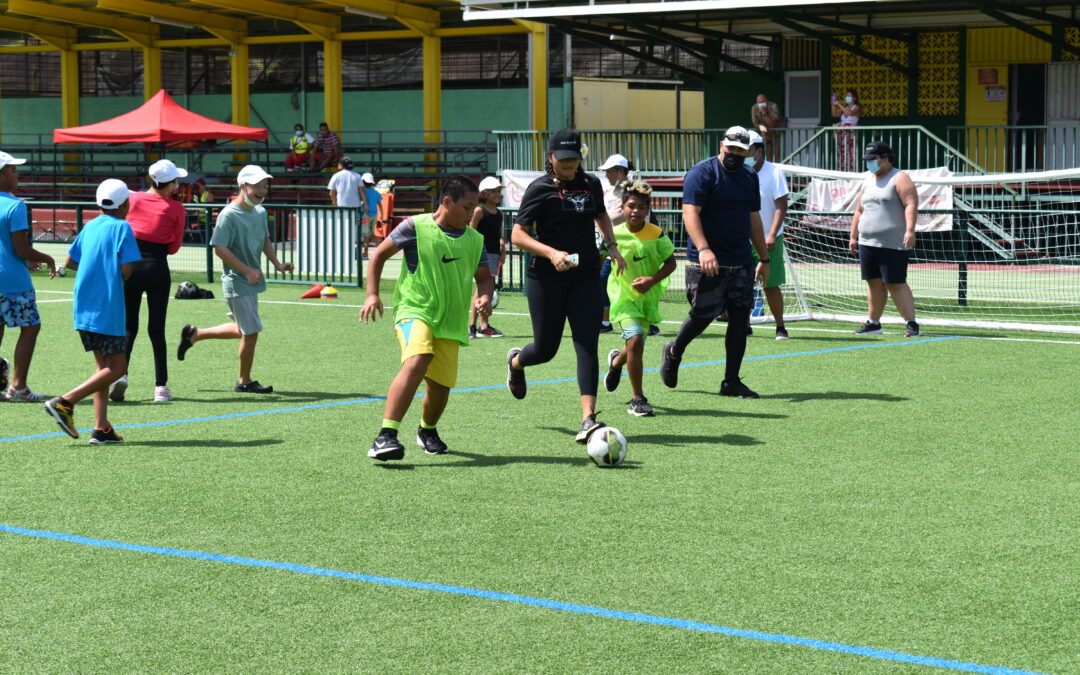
(490, 183)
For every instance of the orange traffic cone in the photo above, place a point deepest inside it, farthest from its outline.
(312, 292)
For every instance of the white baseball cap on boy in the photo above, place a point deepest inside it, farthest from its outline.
(490, 183)
(368, 179)
(614, 161)
(251, 174)
(164, 171)
(112, 193)
(755, 137)
(6, 159)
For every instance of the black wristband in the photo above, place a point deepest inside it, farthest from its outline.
(764, 260)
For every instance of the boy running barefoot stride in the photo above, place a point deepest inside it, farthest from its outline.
(443, 256)
(635, 295)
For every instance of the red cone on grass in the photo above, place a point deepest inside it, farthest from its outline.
(312, 292)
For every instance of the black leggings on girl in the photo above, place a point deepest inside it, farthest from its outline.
(555, 299)
(151, 276)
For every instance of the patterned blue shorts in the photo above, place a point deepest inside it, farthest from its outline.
(106, 344)
(19, 310)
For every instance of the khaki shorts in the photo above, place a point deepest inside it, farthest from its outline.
(416, 338)
(245, 312)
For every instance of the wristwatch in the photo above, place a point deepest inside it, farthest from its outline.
(609, 244)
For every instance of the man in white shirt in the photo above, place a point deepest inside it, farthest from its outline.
(774, 203)
(346, 188)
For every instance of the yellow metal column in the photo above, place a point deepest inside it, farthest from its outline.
(238, 66)
(432, 87)
(151, 59)
(538, 75)
(332, 101)
(69, 88)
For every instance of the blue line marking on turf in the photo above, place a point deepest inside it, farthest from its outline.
(557, 605)
(486, 387)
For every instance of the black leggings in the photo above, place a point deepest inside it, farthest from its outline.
(150, 276)
(553, 300)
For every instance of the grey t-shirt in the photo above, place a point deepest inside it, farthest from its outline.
(882, 223)
(243, 232)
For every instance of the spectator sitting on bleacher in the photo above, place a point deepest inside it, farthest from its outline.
(299, 149)
(326, 150)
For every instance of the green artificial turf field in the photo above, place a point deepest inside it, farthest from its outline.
(909, 505)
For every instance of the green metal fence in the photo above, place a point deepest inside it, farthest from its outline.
(1019, 148)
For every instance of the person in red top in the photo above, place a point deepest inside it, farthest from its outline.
(326, 150)
(158, 223)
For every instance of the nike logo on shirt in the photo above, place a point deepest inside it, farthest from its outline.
(449, 260)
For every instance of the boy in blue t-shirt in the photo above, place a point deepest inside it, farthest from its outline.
(103, 254)
(371, 210)
(18, 303)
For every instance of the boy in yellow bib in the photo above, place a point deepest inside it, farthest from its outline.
(635, 294)
(443, 256)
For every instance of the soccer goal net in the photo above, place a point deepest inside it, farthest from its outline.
(992, 250)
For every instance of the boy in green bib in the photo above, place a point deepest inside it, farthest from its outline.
(635, 294)
(443, 256)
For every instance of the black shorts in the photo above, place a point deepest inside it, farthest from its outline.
(710, 297)
(886, 264)
(106, 344)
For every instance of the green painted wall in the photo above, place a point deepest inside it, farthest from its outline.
(729, 97)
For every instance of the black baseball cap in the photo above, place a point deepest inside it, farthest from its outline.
(565, 144)
(877, 149)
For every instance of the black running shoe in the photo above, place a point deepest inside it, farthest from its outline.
(429, 440)
(654, 330)
(639, 407)
(63, 414)
(99, 437)
(607, 328)
(3, 375)
(490, 331)
(386, 446)
(912, 329)
(869, 328)
(252, 387)
(472, 332)
(781, 333)
(185, 341)
(669, 365)
(515, 379)
(588, 426)
(611, 380)
(737, 389)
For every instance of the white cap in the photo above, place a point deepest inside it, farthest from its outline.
(737, 137)
(755, 137)
(164, 171)
(614, 161)
(251, 174)
(490, 183)
(368, 178)
(112, 193)
(6, 159)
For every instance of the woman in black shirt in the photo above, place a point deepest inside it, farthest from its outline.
(487, 220)
(555, 223)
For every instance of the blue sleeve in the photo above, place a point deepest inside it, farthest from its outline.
(695, 188)
(75, 250)
(126, 247)
(17, 219)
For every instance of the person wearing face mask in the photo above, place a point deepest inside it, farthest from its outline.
(883, 236)
(766, 117)
(721, 201)
(773, 188)
(849, 112)
(299, 149)
(158, 223)
(616, 170)
(240, 235)
(555, 223)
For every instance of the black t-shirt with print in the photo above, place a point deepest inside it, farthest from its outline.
(564, 219)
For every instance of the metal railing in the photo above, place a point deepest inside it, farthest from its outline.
(1019, 148)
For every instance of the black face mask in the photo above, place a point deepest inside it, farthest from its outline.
(733, 162)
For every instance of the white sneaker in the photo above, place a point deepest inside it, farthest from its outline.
(162, 394)
(118, 388)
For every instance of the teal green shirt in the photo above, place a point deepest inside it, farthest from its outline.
(243, 232)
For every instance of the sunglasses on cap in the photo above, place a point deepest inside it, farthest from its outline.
(738, 138)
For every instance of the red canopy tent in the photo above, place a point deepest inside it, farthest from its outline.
(161, 119)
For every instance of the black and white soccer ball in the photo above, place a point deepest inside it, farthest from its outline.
(607, 447)
(187, 288)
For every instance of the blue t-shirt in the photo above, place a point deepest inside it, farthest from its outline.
(726, 198)
(373, 199)
(104, 244)
(14, 274)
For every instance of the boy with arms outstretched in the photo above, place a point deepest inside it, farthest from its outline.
(104, 254)
(635, 295)
(443, 256)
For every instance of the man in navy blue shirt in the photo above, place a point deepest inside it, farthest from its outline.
(720, 209)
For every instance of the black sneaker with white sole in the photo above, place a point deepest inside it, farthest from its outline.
(3, 375)
(386, 446)
(639, 407)
(429, 440)
(669, 365)
(869, 328)
(99, 437)
(611, 380)
(588, 426)
(912, 329)
(781, 333)
(515, 379)
(252, 387)
(737, 389)
(185, 340)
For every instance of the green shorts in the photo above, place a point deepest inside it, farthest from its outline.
(776, 264)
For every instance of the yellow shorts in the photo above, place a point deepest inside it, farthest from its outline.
(415, 338)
